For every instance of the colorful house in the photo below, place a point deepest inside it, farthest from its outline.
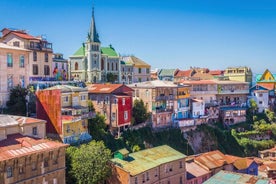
(66, 112)
(228, 177)
(195, 173)
(267, 78)
(242, 74)
(26, 156)
(60, 67)
(167, 74)
(40, 55)
(160, 164)
(114, 101)
(163, 101)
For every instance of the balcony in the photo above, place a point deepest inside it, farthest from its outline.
(233, 91)
(161, 97)
(40, 46)
(160, 110)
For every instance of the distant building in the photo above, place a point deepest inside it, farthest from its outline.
(60, 67)
(232, 115)
(114, 101)
(161, 164)
(13, 70)
(66, 112)
(25, 156)
(40, 55)
(227, 177)
(167, 74)
(242, 74)
(265, 79)
(141, 70)
(264, 96)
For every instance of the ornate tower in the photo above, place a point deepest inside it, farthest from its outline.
(93, 53)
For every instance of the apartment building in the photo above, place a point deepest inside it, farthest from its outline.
(40, 55)
(114, 101)
(65, 109)
(160, 100)
(12, 59)
(242, 74)
(60, 67)
(156, 165)
(25, 156)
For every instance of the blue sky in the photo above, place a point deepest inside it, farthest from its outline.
(165, 33)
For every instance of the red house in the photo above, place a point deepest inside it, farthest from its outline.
(114, 101)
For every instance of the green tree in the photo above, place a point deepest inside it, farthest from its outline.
(89, 163)
(17, 101)
(110, 77)
(139, 112)
(253, 106)
(97, 127)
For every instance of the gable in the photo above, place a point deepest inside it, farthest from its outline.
(267, 75)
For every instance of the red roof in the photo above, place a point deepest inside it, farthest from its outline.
(17, 145)
(184, 73)
(23, 35)
(105, 88)
(213, 159)
(267, 85)
(216, 72)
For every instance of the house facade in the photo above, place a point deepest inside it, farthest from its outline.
(156, 165)
(160, 99)
(40, 55)
(60, 67)
(66, 112)
(25, 156)
(242, 74)
(12, 59)
(114, 101)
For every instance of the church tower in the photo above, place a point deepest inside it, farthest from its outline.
(93, 53)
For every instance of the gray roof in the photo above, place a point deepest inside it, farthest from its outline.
(153, 84)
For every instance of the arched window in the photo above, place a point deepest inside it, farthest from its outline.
(116, 66)
(76, 66)
(112, 67)
(108, 66)
(102, 64)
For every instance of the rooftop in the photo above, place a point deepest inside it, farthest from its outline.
(227, 177)
(144, 160)
(153, 84)
(105, 88)
(132, 60)
(67, 88)
(17, 145)
(11, 120)
(196, 170)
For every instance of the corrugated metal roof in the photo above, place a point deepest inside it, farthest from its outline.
(153, 84)
(67, 88)
(227, 177)
(144, 160)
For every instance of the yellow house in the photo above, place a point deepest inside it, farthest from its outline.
(242, 74)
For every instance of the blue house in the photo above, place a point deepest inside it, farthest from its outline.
(246, 166)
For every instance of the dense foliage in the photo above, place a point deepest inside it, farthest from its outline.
(17, 101)
(88, 163)
(139, 112)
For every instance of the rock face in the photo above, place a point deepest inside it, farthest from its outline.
(201, 140)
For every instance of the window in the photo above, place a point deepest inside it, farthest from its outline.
(16, 43)
(9, 60)
(35, 69)
(46, 70)
(147, 176)
(66, 99)
(180, 164)
(34, 56)
(140, 70)
(148, 70)
(21, 170)
(34, 130)
(260, 95)
(22, 80)
(123, 101)
(33, 166)
(10, 82)
(21, 61)
(126, 115)
(76, 66)
(144, 178)
(46, 164)
(260, 102)
(180, 180)
(46, 57)
(116, 66)
(83, 97)
(108, 66)
(9, 172)
(112, 67)
(139, 79)
(68, 128)
(136, 180)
